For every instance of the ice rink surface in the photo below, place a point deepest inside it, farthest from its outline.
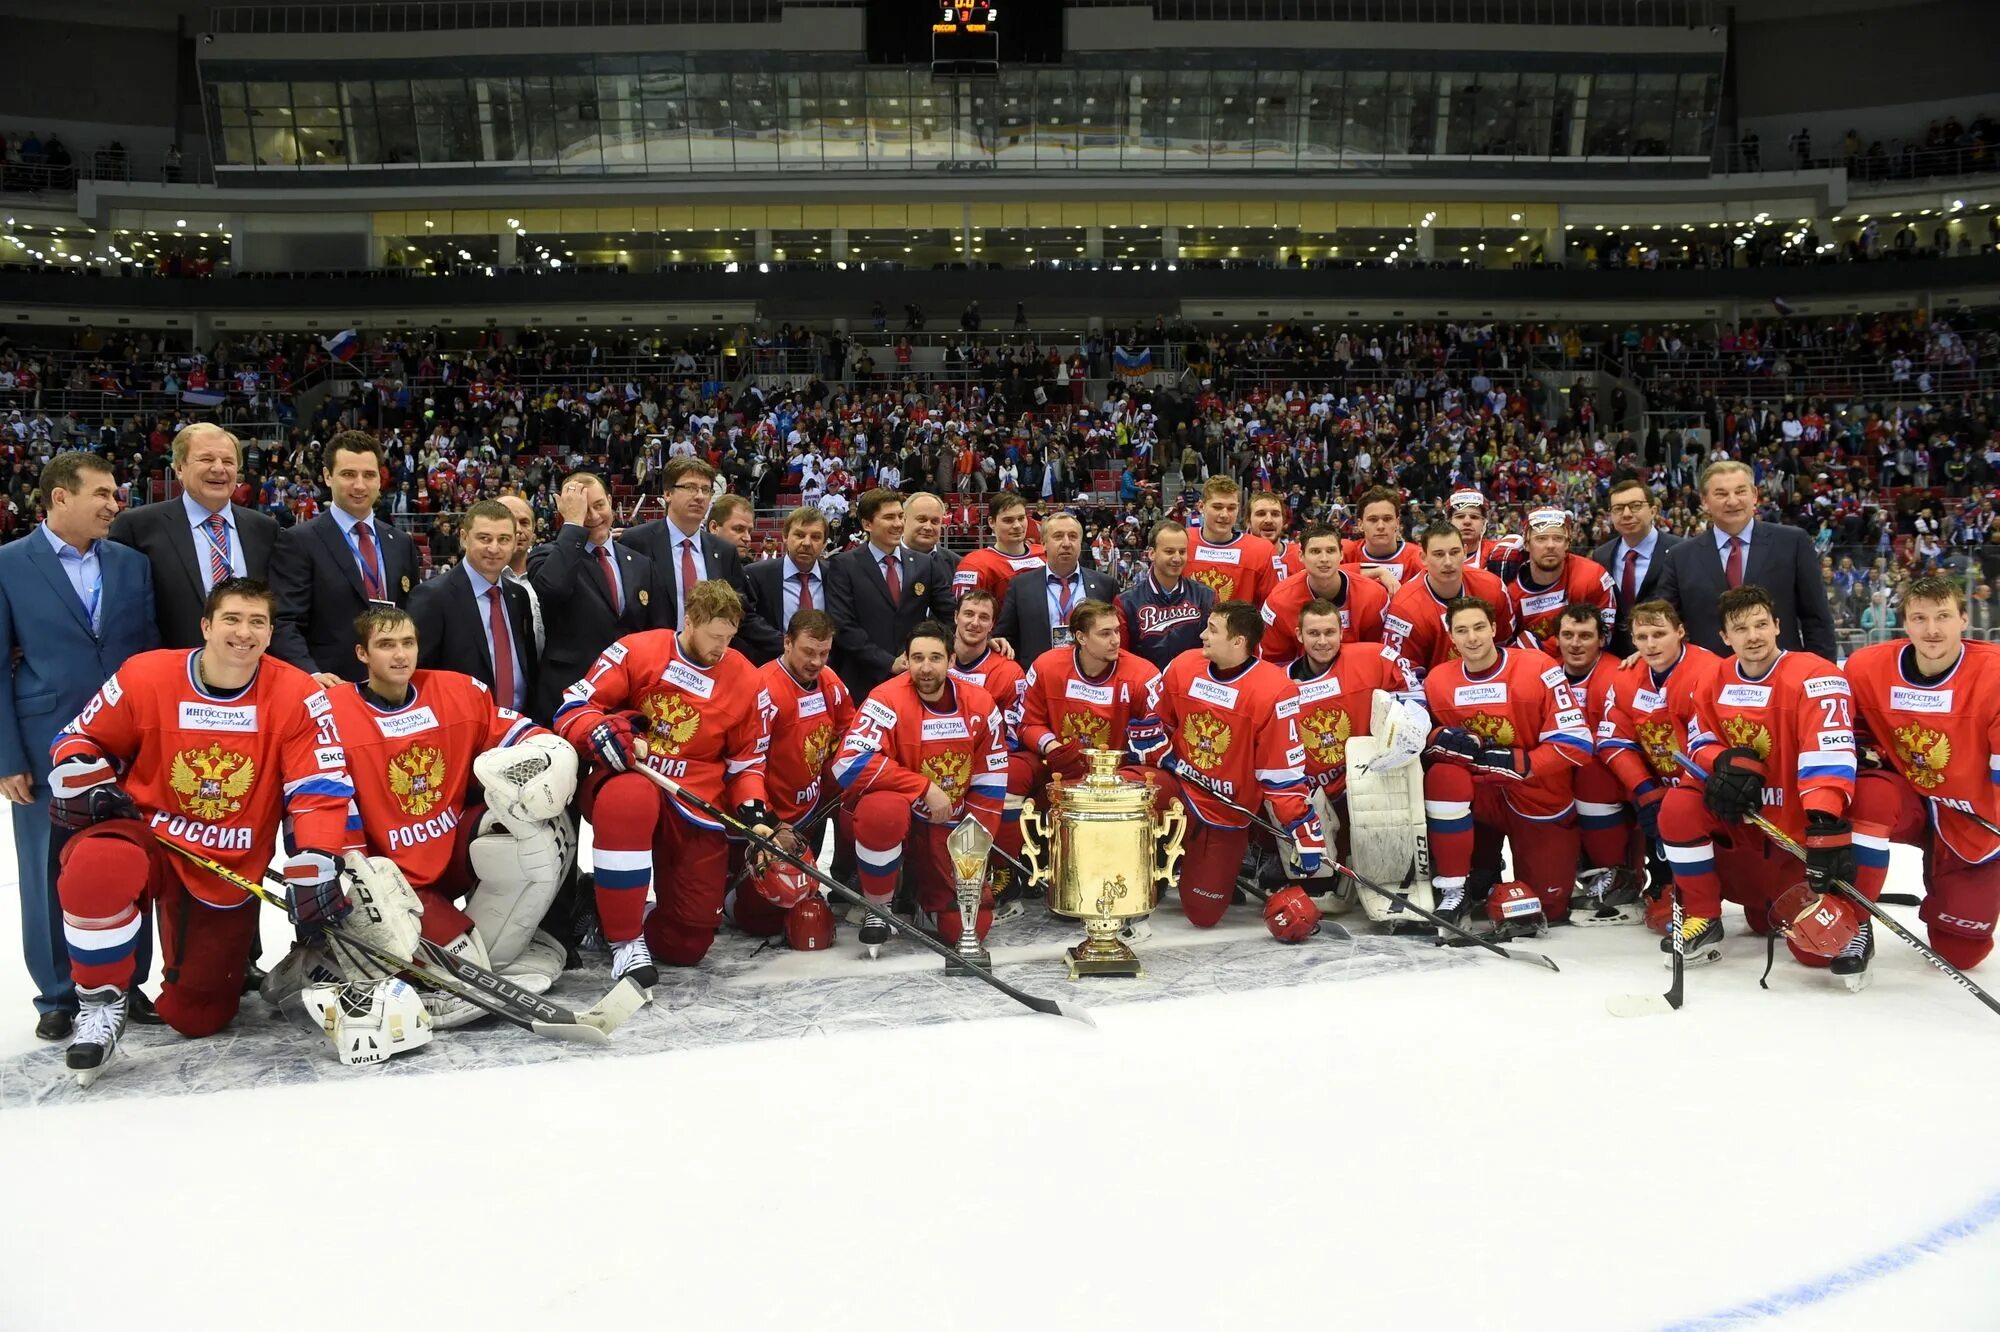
(1376, 1134)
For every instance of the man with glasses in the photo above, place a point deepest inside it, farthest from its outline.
(684, 552)
(1633, 556)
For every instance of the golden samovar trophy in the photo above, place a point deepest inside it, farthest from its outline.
(1108, 852)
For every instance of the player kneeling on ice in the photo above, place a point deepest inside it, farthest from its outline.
(206, 750)
(1774, 730)
(459, 798)
(1503, 762)
(690, 706)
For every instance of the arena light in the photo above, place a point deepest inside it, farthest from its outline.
(763, 267)
(1515, 216)
(1958, 205)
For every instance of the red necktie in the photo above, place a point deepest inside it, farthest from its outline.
(1628, 591)
(371, 565)
(503, 649)
(610, 577)
(892, 574)
(218, 550)
(805, 592)
(1062, 600)
(1735, 568)
(688, 578)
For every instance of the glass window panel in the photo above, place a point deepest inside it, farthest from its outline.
(711, 122)
(397, 125)
(227, 94)
(1320, 116)
(1653, 115)
(979, 121)
(1365, 121)
(1232, 97)
(888, 117)
(1534, 129)
(357, 92)
(1057, 111)
(624, 145)
(317, 117)
(617, 96)
(1145, 93)
(1014, 117)
(1275, 112)
(503, 113)
(1186, 123)
(269, 94)
(933, 121)
(238, 147)
(758, 114)
(276, 145)
(315, 94)
(364, 144)
(843, 117)
(1494, 110)
(1609, 132)
(1411, 121)
(233, 117)
(1693, 118)
(392, 92)
(663, 83)
(1568, 127)
(321, 147)
(1100, 118)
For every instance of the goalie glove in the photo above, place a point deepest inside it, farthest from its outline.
(1309, 841)
(316, 897)
(529, 782)
(84, 791)
(1406, 724)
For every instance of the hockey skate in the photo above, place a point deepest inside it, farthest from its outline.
(635, 960)
(875, 932)
(1852, 964)
(100, 1021)
(1450, 904)
(1701, 940)
(1007, 895)
(1608, 897)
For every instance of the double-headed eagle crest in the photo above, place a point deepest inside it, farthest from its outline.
(1499, 730)
(674, 723)
(818, 744)
(1744, 733)
(1924, 753)
(417, 779)
(1207, 740)
(1325, 732)
(951, 770)
(1088, 729)
(211, 782)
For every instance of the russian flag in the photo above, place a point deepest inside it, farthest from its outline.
(342, 346)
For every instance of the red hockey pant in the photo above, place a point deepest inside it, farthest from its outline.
(1468, 821)
(1961, 900)
(1713, 861)
(1211, 859)
(110, 874)
(887, 837)
(644, 842)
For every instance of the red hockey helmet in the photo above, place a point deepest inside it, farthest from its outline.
(1513, 900)
(1291, 915)
(809, 925)
(1814, 923)
(782, 885)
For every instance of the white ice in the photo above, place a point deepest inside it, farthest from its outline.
(1480, 1146)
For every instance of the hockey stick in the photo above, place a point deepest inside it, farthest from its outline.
(465, 979)
(1786, 843)
(673, 788)
(1400, 899)
(1647, 1005)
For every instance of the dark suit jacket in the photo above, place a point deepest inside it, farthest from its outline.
(451, 630)
(62, 661)
(767, 590)
(577, 619)
(1024, 614)
(755, 639)
(161, 533)
(1649, 586)
(869, 633)
(1781, 560)
(320, 591)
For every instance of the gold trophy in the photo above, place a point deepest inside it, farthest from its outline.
(967, 845)
(1108, 853)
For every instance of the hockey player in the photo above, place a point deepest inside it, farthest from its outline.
(1603, 815)
(1360, 601)
(208, 749)
(1162, 614)
(1267, 520)
(923, 752)
(1553, 579)
(976, 661)
(810, 711)
(1230, 722)
(419, 744)
(1926, 708)
(1235, 566)
(1414, 625)
(1510, 738)
(1774, 730)
(1497, 555)
(1380, 550)
(689, 705)
(992, 567)
(1089, 695)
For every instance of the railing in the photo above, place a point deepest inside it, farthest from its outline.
(105, 164)
(459, 15)
(1906, 164)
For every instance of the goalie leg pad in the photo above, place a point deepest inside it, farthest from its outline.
(539, 964)
(387, 914)
(1385, 821)
(518, 871)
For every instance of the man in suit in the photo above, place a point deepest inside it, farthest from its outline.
(795, 581)
(684, 553)
(594, 591)
(73, 607)
(923, 521)
(472, 619)
(198, 538)
(732, 519)
(1635, 557)
(1737, 549)
(517, 568)
(877, 592)
(1035, 615)
(326, 572)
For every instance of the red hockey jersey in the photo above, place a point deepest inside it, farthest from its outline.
(1238, 569)
(1414, 623)
(899, 743)
(412, 766)
(1799, 717)
(1339, 704)
(216, 772)
(710, 726)
(1060, 705)
(991, 570)
(1523, 702)
(806, 726)
(1241, 733)
(1001, 677)
(1942, 736)
(1646, 716)
(1362, 602)
(1287, 560)
(1536, 606)
(1407, 562)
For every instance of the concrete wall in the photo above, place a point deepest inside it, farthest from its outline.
(1832, 58)
(57, 71)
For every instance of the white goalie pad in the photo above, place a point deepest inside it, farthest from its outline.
(530, 782)
(1385, 822)
(387, 915)
(517, 867)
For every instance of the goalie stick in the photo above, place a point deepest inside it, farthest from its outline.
(466, 979)
(1074, 1012)
(1786, 843)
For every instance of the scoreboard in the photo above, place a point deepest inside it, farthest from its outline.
(958, 37)
(965, 38)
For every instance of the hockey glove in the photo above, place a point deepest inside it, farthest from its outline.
(1309, 842)
(1647, 802)
(83, 791)
(1501, 761)
(612, 742)
(1065, 757)
(1735, 786)
(1455, 742)
(1829, 851)
(317, 896)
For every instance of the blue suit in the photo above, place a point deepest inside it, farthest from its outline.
(61, 663)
